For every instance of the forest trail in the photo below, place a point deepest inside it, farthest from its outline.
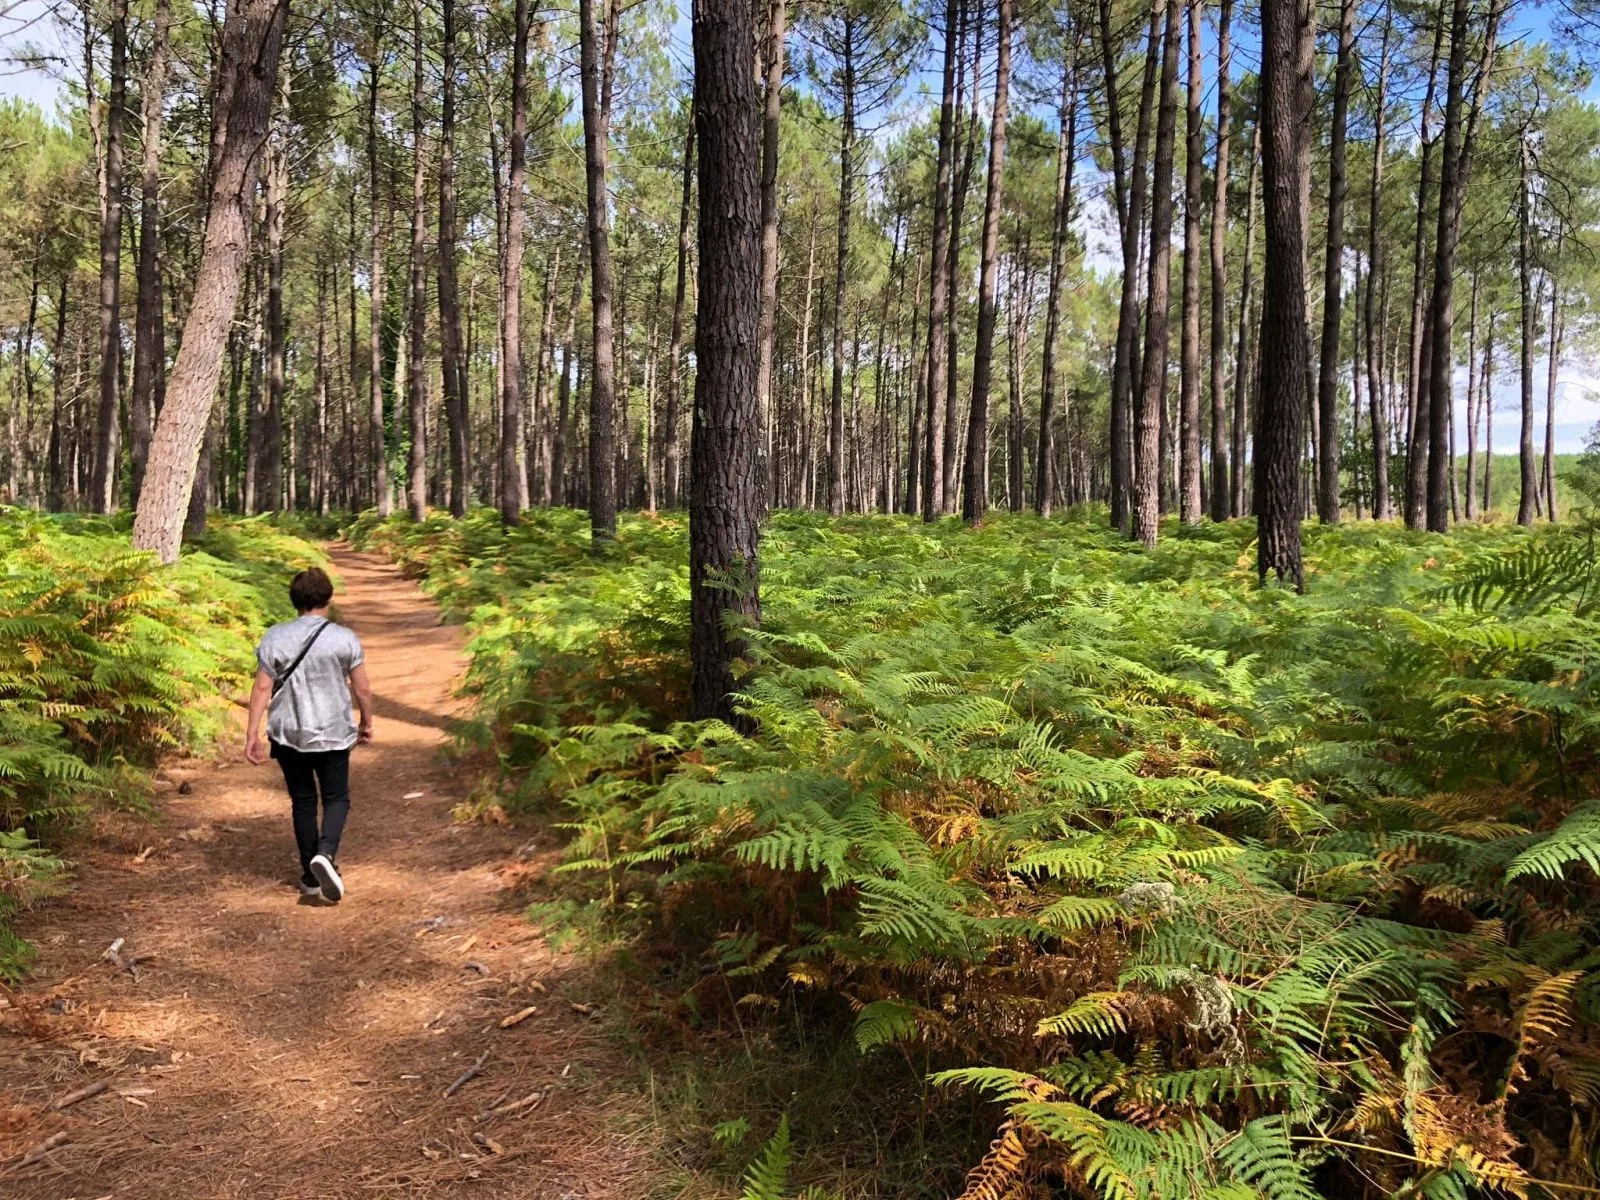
(273, 1047)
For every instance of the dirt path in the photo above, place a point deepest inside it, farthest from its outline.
(273, 1047)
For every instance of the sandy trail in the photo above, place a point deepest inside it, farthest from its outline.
(273, 1047)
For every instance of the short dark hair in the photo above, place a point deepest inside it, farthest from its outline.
(310, 589)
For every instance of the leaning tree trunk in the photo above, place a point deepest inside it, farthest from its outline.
(1147, 418)
(1283, 299)
(251, 49)
(106, 448)
(1190, 504)
(147, 344)
(453, 366)
(602, 377)
(725, 502)
(1220, 491)
(975, 494)
(1333, 276)
(1044, 483)
(933, 504)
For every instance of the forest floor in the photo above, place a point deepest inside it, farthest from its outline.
(254, 1044)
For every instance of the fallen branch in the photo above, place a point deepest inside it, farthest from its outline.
(87, 1091)
(526, 1104)
(37, 1154)
(467, 1075)
(517, 1018)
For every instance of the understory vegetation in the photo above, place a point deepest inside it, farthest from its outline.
(108, 662)
(1213, 890)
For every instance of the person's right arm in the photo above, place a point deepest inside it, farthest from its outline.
(255, 749)
(361, 686)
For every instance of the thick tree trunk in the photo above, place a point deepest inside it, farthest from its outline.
(453, 366)
(933, 498)
(252, 44)
(148, 349)
(1147, 419)
(1283, 307)
(595, 68)
(1044, 481)
(975, 496)
(672, 454)
(106, 440)
(724, 506)
(1220, 485)
(1190, 502)
(1333, 276)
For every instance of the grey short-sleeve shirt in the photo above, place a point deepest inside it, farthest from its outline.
(311, 712)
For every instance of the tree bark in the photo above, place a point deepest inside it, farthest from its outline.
(602, 376)
(847, 135)
(270, 486)
(672, 454)
(1191, 505)
(513, 453)
(724, 504)
(1421, 344)
(252, 45)
(380, 463)
(147, 346)
(1044, 482)
(1472, 406)
(1147, 419)
(933, 499)
(1283, 308)
(417, 492)
(1333, 275)
(1553, 366)
(975, 495)
(453, 366)
(1243, 371)
(1382, 508)
(968, 142)
(1220, 478)
(777, 14)
(55, 496)
(106, 440)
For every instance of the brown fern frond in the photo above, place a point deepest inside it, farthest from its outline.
(997, 1176)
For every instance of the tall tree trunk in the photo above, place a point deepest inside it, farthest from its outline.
(558, 448)
(106, 440)
(1044, 482)
(724, 504)
(380, 462)
(1472, 406)
(540, 446)
(1529, 482)
(321, 456)
(933, 499)
(1130, 211)
(55, 497)
(847, 136)
(771, 109)
(968, 141)
(1333, 275)
(1243, 370)
(1220, 485)
(595, 64)
(1382, 508)
(148, 319)
(975, 496)
(251, 48)
(1442, 324)
(271, 482)
(1421, 344)
(1283, 303)
(1488, 416)
(1147, 442)
(1191, 505)
(452, 364)
(1553, 361)
(672, 454)
(513, 454)
(416, 379)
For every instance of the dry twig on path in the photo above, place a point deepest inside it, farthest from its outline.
(467, 1075)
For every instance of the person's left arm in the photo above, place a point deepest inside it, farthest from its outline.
(255, 746)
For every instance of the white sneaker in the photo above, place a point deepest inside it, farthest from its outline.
(332, 886)
(310, 890)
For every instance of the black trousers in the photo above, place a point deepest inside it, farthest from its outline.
(303, 773)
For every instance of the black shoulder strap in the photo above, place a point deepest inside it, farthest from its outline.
(277, 684)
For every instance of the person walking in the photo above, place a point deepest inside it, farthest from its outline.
(306, 670)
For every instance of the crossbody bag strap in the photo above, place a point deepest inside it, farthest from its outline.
(277, 684)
